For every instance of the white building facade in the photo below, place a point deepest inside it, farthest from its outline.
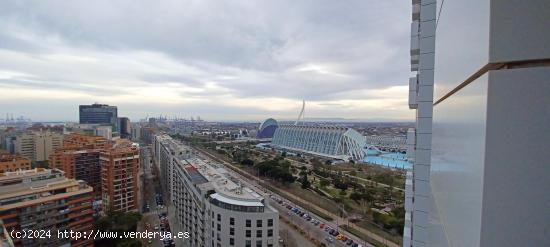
(329, 141)
(480, 146)
(212, 205)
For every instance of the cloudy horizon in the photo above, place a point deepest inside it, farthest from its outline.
(223, 61)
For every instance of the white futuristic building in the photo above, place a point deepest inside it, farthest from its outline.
(481, 143)
(212, 205)
(328, 141)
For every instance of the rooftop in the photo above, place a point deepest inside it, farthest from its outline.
(222, 181)
(35, 181)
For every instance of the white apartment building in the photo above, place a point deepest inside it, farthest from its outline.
(213, 206)
(481, 145)
(37, 145)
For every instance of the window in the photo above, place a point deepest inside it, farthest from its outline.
(248, 233)
(270, 222)
(248, 223)
(258, 233)
(259, 223)
(231, 231)
(219, 217)
(232, 221)
(231, 241)
(270, 233)
(248, 243)
(258, 243)
(219, 227)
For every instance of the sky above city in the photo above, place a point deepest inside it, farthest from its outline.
(220, 60)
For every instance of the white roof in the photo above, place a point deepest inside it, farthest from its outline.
(231, 201)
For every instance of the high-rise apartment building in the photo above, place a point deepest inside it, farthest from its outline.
(211, 204)
(99, 114)
(79, 159)
(44, 199)
(136, 132)
(37, 145)
(125, 127)
(119, 177)
(481, 141)
(13, 162)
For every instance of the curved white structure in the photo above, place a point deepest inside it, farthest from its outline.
(329, 141)
(301, 115)
(267, 128)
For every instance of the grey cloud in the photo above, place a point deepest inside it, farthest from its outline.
(248, 48)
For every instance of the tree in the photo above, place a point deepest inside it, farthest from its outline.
(356, 196)
(324, 182)
(340, 184)
(247, 162)
(305, 182)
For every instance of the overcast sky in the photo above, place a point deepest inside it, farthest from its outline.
(222, 60)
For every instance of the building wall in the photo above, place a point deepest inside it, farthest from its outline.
(119, 179)
(223, 236)
(38, 145)
(55, 202)
(11, 163)
(487, 173)
(516, 167)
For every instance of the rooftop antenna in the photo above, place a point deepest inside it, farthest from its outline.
(301, 116)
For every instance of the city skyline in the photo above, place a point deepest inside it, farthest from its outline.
(151, 59)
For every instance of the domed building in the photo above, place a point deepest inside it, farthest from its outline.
(267, 128)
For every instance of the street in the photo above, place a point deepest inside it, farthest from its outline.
(151, 205)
